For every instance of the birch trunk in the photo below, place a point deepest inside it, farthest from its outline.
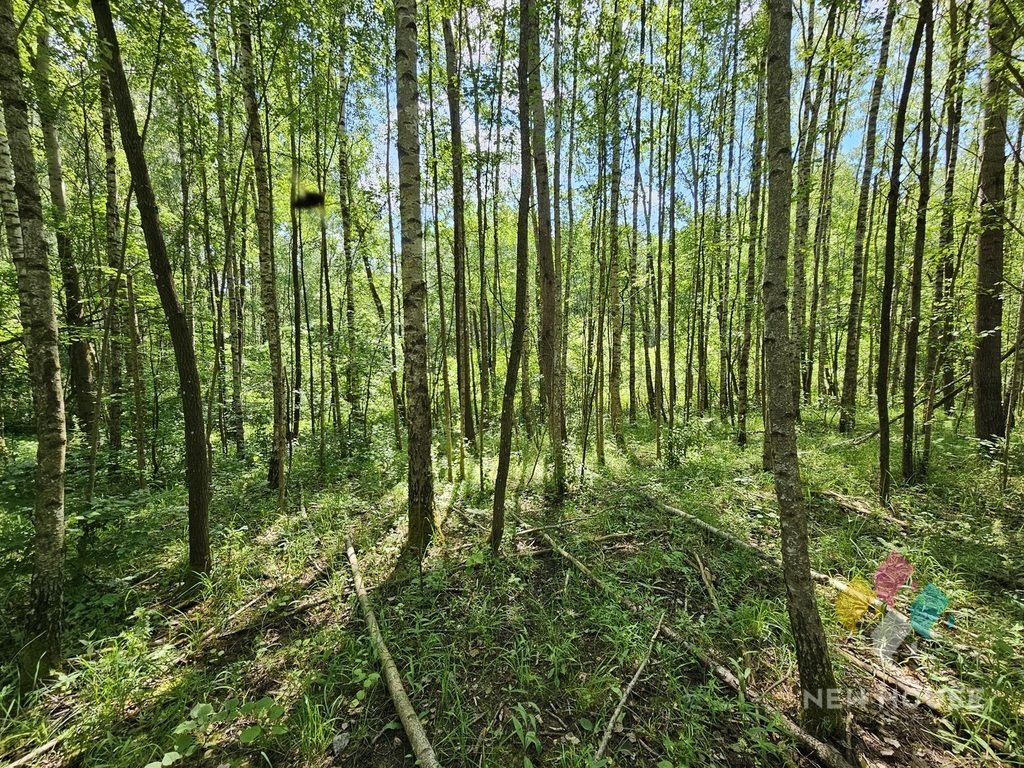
(23, 218)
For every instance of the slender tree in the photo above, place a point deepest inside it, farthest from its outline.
(414, 287)
(614, 267)
(848, 401)
(749, 296)
(80, 354)
(889, 264)
(939, 365)
(816, 678)
(234, 286)
(813, 97)
(989, 420)
(526, 18)
(909, 464)
(264, 235)
(550, 290)
(23, 220)
(463, 371)
(197, 460)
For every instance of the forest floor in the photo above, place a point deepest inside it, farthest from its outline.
(518, 661)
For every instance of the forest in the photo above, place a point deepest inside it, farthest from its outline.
(507, 383)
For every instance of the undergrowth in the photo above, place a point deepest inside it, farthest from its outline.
(518, 661)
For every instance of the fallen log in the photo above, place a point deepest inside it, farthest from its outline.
(909, 687)
(921, 693)
(42, 749)
(859, 507)
(421, 747)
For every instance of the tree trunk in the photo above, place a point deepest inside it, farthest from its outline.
(414, 287)
(805, 162)
(816, 679)
(23, 218)
(914, 321)
(940, 329)
(296, 288)
(115, 261)
(550, 290)
(463, 371)
(526, 17)
(848, 400)
(632, 280)
(80, 354)
(483, 312)
(672, 282)
(235, 288)
(818, 324)
(264, 234)
(753, 237)
(397, 401)
(989, 420)
(614, 293)
(441, 305)
(355, 414)
(197, 460)
(889, 267)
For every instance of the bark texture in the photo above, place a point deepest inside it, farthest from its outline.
(414, 286)
(197, 460)
(989, 420)
(23, 219)
(816, 677)
(264, 233)
(80, 353)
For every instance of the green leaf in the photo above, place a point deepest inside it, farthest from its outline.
(185, 743)
(250, 734)
(255, 707)
(201, 711)
(171, 758)
(586, 724)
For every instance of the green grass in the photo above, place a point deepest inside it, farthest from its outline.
(514, 662)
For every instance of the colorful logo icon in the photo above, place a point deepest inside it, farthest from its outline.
(892, 575)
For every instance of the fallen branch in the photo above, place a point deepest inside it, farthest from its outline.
(917, 691)
(909, 687)
(611, 537)
(829, 755)
(421, 747)
(926, 696)
(552, 526)
(822, 578)
(42, 749)
(572, 559)
(857, 506)
(625, 694)
(213, 632)
(725, 535)
(705, 576)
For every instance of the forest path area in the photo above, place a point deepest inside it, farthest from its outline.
(523, 660)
